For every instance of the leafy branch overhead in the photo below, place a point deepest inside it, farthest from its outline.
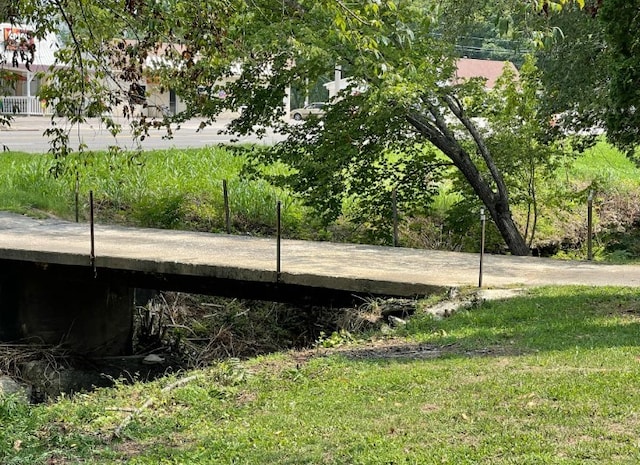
(403, 117)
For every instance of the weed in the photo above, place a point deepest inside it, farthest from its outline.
(166, 189)
(335, 339)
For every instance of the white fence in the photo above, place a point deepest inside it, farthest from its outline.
(23, 106)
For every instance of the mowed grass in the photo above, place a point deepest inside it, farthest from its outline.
(549, 377)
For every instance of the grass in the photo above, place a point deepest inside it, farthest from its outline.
(179, 188)
(550, 377)
(24, 185)
(606, 166)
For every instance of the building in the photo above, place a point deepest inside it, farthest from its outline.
(466, 68)
(489, 70)
(19, 94)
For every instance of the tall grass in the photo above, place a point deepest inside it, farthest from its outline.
(167, 189)
(25, 185)
(605, 167)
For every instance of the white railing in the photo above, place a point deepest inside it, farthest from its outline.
(23, 106)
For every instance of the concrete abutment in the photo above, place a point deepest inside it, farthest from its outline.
(85, 315)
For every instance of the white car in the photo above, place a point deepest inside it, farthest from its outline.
(315, 108)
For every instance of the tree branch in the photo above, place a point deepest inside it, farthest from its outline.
(456, 108)
(430, 131)
(76, 42)
(352, 13)
(437, 131)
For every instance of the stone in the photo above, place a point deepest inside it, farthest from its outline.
(152, 359)
(395, 321)
(9, 386)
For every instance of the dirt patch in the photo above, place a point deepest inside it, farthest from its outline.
(130, 449)
(391, 349)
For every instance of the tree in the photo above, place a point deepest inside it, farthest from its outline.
(621, 22)
(592, 69)
(374, 137)
(519, 119)
(574, 64)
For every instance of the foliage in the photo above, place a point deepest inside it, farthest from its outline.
(547, 377)
(574, 72)
(518, 120)
(613, 180)
(356, 170)
(591, 70)
(518, 137)
(399, 56)
(621, 21)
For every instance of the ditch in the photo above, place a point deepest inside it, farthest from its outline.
(176, 332)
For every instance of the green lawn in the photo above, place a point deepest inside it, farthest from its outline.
(550, 377)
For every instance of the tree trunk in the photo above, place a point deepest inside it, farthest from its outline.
(509, 232)
(497, 203)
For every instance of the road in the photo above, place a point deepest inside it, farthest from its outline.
(26, 135)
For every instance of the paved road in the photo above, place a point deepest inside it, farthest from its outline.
(26, 135)
(350, 267)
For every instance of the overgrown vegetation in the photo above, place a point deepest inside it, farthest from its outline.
(199, 330)
(165, 189)
(549, 377)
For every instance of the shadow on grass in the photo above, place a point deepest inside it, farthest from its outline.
(548, 319)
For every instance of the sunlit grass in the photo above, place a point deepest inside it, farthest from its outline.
(549, 377)
(167, 189)
(607, 167)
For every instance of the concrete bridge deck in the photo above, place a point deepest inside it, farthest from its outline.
(50, 292)
(205, 258)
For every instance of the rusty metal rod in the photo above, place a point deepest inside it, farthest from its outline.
(279, 239)
(93, 241)
(227, 211)
(394, 204)
(77, 197)
(483, 221)
(590, 226)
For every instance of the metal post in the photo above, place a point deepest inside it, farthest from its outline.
(394, 204)
(227, 212)
(483, 220)
(92, 257)
(279, 238)
(77, 197)
(589, 225)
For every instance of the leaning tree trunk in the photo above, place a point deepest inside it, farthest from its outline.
(497, 203)
(436, 130)
(508, 229)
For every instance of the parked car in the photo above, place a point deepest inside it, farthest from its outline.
(315, 108)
